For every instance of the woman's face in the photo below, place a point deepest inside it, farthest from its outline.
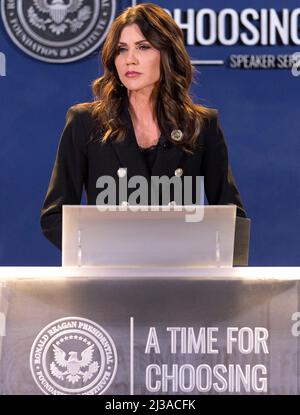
(137, 61)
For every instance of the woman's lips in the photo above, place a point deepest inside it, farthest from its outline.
(131, 74)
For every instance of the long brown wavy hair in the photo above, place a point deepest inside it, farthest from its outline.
(173, 104)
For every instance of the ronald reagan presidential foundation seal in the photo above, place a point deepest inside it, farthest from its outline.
(58, 31)
(73, 356)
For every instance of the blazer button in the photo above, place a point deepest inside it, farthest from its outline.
(122, 171)
(178, 172)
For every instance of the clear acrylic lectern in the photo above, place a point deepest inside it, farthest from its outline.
(148, 236)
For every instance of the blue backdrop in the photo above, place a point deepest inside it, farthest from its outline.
(259, 111)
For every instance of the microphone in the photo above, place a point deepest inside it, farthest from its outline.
(163, 142)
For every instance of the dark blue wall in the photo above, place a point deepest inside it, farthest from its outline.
(260, 115)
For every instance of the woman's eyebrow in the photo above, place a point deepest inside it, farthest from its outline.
(136, 43)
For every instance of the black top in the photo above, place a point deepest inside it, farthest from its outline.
(83, 160)
(149, 154)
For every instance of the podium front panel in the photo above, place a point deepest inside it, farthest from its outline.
(149, 336)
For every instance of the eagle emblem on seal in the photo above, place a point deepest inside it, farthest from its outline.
(57, 11)
(73, 365)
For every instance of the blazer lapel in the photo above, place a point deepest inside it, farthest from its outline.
(167, 160)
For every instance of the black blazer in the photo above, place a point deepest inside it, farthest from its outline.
(81, 160)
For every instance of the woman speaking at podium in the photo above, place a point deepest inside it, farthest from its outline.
(142, 122)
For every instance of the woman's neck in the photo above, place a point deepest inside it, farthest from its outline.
(141, 108)
(144, 119)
